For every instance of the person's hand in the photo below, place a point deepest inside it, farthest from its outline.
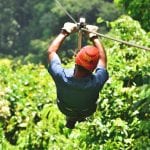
(91, 29)
(70, 27)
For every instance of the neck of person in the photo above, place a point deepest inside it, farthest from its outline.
(80, 72)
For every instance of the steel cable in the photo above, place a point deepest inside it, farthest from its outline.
(102, 35)
(67, 13)
(117, 40)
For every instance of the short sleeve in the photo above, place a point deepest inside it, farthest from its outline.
(55, 68)
(101, 75)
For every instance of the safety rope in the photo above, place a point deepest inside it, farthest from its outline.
(102, 35)
(117, 40)
(66, 12)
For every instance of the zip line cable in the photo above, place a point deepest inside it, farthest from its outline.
(66, 12)
(118, 40)
(102, 35)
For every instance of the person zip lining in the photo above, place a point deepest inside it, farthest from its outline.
(78, 88)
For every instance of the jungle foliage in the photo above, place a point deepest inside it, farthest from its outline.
(26, 24)
(30, 119)
(139, 10)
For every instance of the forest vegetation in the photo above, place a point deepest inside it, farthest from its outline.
(29, 117)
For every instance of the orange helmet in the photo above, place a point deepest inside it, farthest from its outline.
(88, 57)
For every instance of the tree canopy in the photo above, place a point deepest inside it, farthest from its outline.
(25, 20)
(139, 10)
(29, 117)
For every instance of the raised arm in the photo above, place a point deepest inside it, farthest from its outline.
(94, 38)
(103, 58)
(55, 45)
(57, 42)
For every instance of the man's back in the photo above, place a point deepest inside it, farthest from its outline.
(79, 94)
(77, 91)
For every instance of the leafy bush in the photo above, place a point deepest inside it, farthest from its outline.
(31, 119)
(135, 9)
